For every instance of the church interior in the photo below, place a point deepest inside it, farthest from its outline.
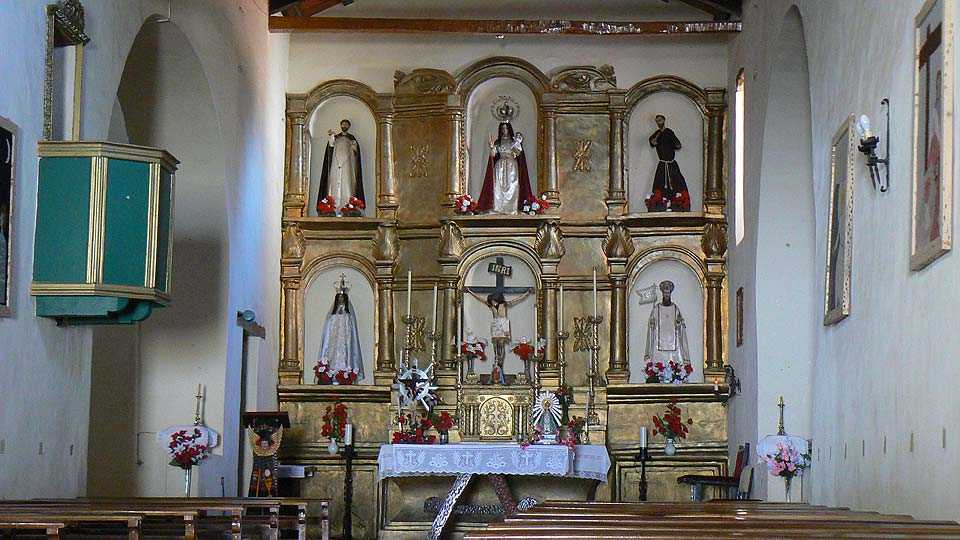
(475, 269)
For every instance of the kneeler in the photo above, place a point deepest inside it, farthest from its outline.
(730, 484)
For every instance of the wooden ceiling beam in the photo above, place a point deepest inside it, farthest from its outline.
(498, 27)
(309, 8)
(276, 6)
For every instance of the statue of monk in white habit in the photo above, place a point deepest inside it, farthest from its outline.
(506, 184)
(340, 344)
(342, 174)
(666, 331)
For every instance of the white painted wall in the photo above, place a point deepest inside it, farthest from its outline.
(44, 370)
(888, 370)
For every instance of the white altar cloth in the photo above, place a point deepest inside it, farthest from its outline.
(589, 461)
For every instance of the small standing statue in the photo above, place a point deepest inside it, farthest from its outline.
(341, 359)
(666, 348)
(506, 184)
(342, 176)
(669, 186)
(499, 329)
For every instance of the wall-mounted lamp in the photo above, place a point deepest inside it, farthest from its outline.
(868, 146)
(731, 381)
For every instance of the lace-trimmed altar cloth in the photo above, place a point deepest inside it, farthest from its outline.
(589, 461)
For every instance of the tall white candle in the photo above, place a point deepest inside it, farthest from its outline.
(459, 327)
(536, 316)
(643, 436)
(560, 309)
(594, 293)
(409, 290)
(434, 308)
(348, 435)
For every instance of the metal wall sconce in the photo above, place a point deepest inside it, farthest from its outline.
(868, 146)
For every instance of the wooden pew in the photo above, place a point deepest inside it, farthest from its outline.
(731, 519)
(73, 515)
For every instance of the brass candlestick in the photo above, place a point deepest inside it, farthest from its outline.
(592, 418)
(780, 428)
(562, 336)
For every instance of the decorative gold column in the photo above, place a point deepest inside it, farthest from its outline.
(552, 190)
(616, 193)
(386, 250)
(292, 249)
(716, 109)
(298, 163)
(714, 245)
(618, 247)
(550, 249)
(387, 200)
(456, 183)
(450, 250)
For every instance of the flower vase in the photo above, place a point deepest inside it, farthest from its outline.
(187, 478)
(333, 447)
(670, 448)
(444, 437)
(563, 433)
(786, 484)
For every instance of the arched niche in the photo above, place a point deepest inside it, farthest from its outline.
(363, 126)
(687, 276)
(326, 105)
(478, 318)
(477, 86)
(684, 106)
(480, 124)
(316, 299)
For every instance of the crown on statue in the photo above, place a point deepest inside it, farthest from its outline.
(342, 285)
(505, 109)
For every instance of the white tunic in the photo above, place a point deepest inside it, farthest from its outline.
(342, 175)
(506, 176)
(667, 335)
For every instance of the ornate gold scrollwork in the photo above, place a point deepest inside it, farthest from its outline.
(496, 418)
(618, 244)
(549, 242)
(714, 239)
(293, 244)
(584, 79)
(419, 160)
(451, 240)
(386, 243)
(423, 81)
(581, 156)
(582, 334)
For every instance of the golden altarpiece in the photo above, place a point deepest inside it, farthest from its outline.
(580, 160)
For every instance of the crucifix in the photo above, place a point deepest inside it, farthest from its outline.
(495, 298)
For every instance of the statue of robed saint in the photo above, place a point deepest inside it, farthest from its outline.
(342, 174)
(340, 344)
(506, 183)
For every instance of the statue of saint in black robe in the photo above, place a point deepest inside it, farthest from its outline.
(668, 180)
(342, 175)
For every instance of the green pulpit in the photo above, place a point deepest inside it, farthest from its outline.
(102, 249)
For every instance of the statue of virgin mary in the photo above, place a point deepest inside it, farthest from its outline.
(506, 184)
(340, 344)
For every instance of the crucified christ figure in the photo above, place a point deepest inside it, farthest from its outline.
(499, 328)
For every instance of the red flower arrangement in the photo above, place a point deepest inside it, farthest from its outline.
(673, 372)
(523, 349)
(334, 421)
(444, 422)
(656, 202)
(477, 350)
(322, 374)
(671, 425)
(184, 450)
(465, 205)
(535, 205)
(413, 431)
(680, 202)
(345, 377)
(353, 208)
(327, 206)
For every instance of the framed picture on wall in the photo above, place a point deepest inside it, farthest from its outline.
(932, 200)
(840, 225)
(740, 317)
(7, 160)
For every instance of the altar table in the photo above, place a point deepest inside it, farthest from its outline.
(493, 460)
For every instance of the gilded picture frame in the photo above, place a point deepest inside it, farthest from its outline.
(931, 212)
(8, 180)
(836, 298)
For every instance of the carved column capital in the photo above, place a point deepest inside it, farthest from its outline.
(549, 241)
(386, 242)
(293, 244)
(714, 240)
(451, 241)
(618, 243)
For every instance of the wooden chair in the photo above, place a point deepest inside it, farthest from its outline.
(729, 484)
